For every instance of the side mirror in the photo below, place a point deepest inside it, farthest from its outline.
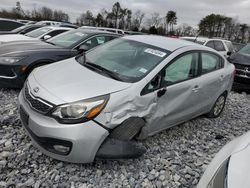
(229, 53)
(155, 83)
(46, 37)
(83, 48)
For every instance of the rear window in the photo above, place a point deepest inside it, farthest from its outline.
(219, 46)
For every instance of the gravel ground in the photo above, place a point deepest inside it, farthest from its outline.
(175, 158)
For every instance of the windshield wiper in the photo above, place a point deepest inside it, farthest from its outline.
(102, 70)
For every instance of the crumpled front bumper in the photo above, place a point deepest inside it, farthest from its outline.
(83, 139)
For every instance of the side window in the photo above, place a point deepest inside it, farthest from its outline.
(219, 46)
(210, 44)
(6, 25)
(184, 68)
(54, 33)
(95, 41)
(109, 38)
(210, 62)
(229, 46)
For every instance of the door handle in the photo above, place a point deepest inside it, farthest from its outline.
(196, 88)
(222, 77)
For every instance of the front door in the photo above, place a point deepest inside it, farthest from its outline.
(179, 95)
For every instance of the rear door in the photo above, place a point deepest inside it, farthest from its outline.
(212, 78)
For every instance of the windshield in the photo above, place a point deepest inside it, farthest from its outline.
(68, 39)
(38, 32)
(245, 50)
(130, 60)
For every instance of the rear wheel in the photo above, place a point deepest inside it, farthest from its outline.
(218, 106)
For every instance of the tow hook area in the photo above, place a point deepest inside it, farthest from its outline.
(118, 149)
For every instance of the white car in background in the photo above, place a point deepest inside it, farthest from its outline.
(43, 33)
(49, 23)
(224, 47)
(112, 30)
(230, 168)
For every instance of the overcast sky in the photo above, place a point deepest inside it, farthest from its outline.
(188, 11)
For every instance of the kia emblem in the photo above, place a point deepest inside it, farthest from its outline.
(36, 89)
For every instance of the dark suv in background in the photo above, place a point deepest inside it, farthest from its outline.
(241, 60)
(8, 25)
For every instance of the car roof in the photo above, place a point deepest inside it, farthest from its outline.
(170, 44)
(57, 28)
(204, 39)
(95, 31)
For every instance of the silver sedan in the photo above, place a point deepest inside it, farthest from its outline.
(94, 105)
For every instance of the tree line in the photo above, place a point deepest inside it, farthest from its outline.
(213, 25)
(124, 18)
(43, 13)
(216, 25)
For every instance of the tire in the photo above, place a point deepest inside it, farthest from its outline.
(128, 129)
(218, 106)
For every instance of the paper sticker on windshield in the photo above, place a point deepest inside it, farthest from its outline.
(155, 52)
(143, 70)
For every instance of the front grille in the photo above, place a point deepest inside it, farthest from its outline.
(36, 103)
(242, 70)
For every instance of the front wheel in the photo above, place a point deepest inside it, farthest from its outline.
(218, 107)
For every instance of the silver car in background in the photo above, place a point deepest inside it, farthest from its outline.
(93, 105)
(230, 168)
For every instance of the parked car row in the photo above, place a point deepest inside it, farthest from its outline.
(18, 59)
(224, 47)
(87, 93)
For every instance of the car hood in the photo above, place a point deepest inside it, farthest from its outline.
(238, 147)
(70, 81)
(25, 46)
(14, 37)
(239, 169)
(239, 58)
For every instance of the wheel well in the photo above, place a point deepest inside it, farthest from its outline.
(128, 129)
(225, 93)
(37, 64)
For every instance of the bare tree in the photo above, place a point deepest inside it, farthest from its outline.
(137, 20)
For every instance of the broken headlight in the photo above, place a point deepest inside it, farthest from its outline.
(80, 111)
